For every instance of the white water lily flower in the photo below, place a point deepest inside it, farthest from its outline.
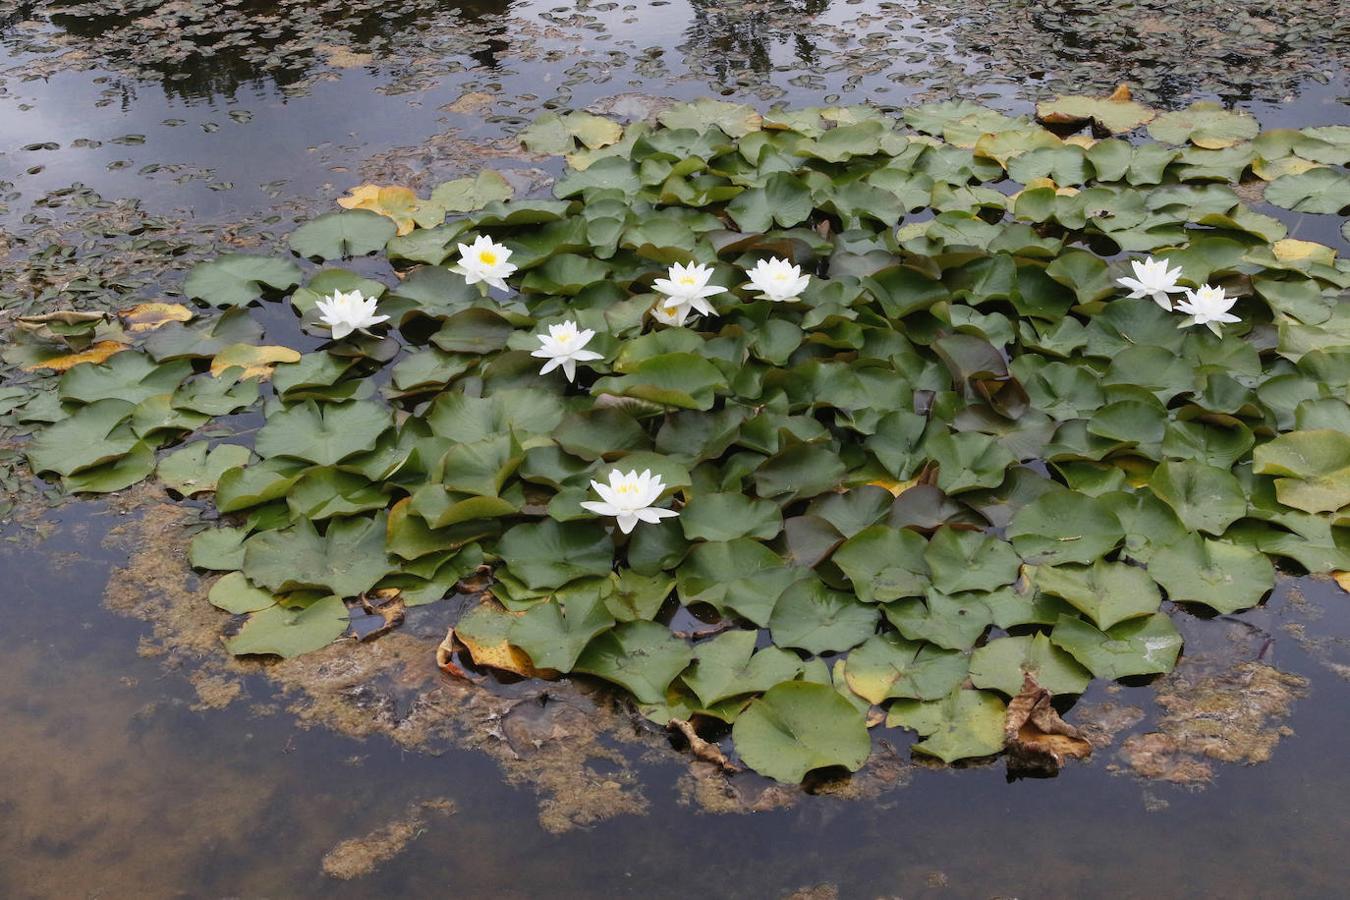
(670, 315)
(562, 346)
(778, 280)
(1207, 306)
(688, 286)
(1154, 280)
(485, 261)
(629, 498)
(348, 312)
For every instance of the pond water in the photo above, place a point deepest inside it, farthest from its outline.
(140, 773)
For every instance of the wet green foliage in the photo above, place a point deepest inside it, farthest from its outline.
(962, 455)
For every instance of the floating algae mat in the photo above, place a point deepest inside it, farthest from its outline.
(845, 417)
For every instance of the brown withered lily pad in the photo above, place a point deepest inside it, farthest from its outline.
(1039, 741)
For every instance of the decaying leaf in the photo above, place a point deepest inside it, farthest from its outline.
(387, 604)
(149, 316)
(1115, 114)
(483, 632)
(394, 202)
(1342, 579)
(704, 750)
(445, 656)
(257, 362)
(1038, 740)
(98, 353)
(71, 327)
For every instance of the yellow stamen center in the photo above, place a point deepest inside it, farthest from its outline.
(487, 257)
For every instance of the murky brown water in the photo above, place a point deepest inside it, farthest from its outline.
(135, 775)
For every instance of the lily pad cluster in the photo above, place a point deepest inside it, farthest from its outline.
(961, 457)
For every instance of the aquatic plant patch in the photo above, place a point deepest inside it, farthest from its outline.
(793, 422)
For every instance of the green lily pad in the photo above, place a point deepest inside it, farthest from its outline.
(1143, 646)
(133, 377)
(1224, 576)
(1105, 591)
(1003, 663)
(338, 235)
(238, 279)
(96, 434)
(1064, 527)
(555, 632)
(887, 665)
(1116, 116)
(1324, 191)
(884, 563)
(963, 725)
(818, 620)
(954, 623)
(724, 517)
(1204, 124)
(285, 632)
(324, 434)
(740, 575)
(799, 726)
(348, 559)
(969, 561)
(1204, 498)
(194, 469)
(549, 554)
(1312, 468)
(643, 657)
(234, 594)
(728, 666)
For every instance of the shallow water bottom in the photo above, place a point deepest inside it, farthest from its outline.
(122, 781)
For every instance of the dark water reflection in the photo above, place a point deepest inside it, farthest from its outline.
(121, 787)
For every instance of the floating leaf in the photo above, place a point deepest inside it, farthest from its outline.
(348, 559)
(969, 561)
(342, 235)
(884, 563)
(323, 434)
(1204, 124)
(194, 469)
(549, 554)
(887, 665)
(1004, 663)
(728, 666)
(1312, 468)
(149, 316)
(798, 726)
(234, 594)
(1314, 191)
(1064, 526)
(1144, 646)
(1107, 592)
(950, 622)
(286, 632)
(98, 353)
(818, 620)
(238, 279)
(963, 725)
(1225, 577)
(398, 204)
(1114, 114)
(96, 434)
(1204, 498)
(724, 517)
(555, 632)
(256, 362)
(643, 657)
(740, 575)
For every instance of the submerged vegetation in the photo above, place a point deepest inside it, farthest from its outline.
(948, 452)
